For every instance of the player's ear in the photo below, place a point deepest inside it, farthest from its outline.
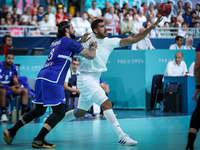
(95, 30)
(67, 30)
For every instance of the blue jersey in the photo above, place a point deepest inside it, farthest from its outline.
(61, 53)
(6, 75)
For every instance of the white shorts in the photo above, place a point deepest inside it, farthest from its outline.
(91, 92)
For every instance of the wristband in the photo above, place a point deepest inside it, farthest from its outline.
(197, 86)
(5, 86)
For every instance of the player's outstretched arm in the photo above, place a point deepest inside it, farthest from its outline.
(139, 36)
(84, 38)
(89, 53)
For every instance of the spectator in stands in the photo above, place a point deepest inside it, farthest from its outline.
(53, 6)
(33, 22)
(156, 18)
(127, 26)
(60, 16)
(83, 25)
(46, 24)
(172, 7)
(52, 17)
(198, 10)
(8, 75)
(40, 13)
(94, 12)
(191, 69)
(165, 32)
(157, 6)
(70, 86)
(144, 7)
(173, 21)
(3, 23)
(197, 30)
(167, 18)
(184, 30)
(77, 18)
(14, 4)
(70, 19)
(111, 19)
(134, 9)
(195, 19)
(179, 8)
(193, 13)
(143, 44)
(130, 11)
(8, 18)
(3, 11)
(150, 11)
(26, 17)
(187, 16)
(180, 14)
(176, 67)
(117, 10)
(105, 10)
(187, 4)
(125, 8)
(141, 17)
(149, 19)
(34, 9)
(15, 16)
(152, 33)
(16, 31)
(175, 32)
(180, 20)
(178, 43)
(189, 43)
(7, 43)
(136, 23)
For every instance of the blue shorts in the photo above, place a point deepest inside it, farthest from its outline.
(48, 94)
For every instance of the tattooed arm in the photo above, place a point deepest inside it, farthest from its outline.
(89, 53)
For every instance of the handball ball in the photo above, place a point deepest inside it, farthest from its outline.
(164, 9)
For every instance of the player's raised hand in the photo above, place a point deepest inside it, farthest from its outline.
(84, 38)
(155, 24)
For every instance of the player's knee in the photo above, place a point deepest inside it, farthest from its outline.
(24, 91)
(80, 113)
(106, 105)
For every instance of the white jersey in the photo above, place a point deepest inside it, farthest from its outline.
(104, 48)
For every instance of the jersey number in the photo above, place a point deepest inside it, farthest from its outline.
(51, 54)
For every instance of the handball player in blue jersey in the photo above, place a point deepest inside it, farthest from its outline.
(49, 84)
(195, 118)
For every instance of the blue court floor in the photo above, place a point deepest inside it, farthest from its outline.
(153, 131)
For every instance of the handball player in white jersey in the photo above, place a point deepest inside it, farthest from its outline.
(90, 72)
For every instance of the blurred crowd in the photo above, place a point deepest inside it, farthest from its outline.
(125, 20)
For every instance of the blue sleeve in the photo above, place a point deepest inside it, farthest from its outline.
(198, 47)
(100, 81)
(1, 71)
(14, 70)
(75, 47)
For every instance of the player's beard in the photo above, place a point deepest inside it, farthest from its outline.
(72, 36)
(8, 64)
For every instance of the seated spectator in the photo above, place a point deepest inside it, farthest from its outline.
(179, 8)
(3, 23)
(116, 7)
(173, 21)
(194, 19)
(141, 17)
(187, 16)
(46, 24)
(60, 16)
(198, 10)
(191, 69)
(143, 44)
(8, 18)
(15, 16)
(111, 19)
(40, 13)
(130, 11)
(53, 6)
(14, 4)
(184, 30)
(170, 2)
(105, 10)
(15, 31)
(176, 67)
(152, 33)
(125, 8)
(83, 25)
(26, 17)
(189, 43)
(33, 22)
(197, 29)
(52, 17)
(9, 75)
(94, 12)
(165, 32)
(167, 18)
(70, 19)
(144, 7)
(3, 11)
(127, 26)
(149, 19)
(150, 11)
(156, 18)
(34, 9)
(178, 43)
(193, 14)
(7, 43)
(134, 9)
(180, 20)
(157, 6)
(136, 23)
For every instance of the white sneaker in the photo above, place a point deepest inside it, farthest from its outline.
(4, 118)
(126, 140)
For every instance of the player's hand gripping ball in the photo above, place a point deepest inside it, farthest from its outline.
(164, 9)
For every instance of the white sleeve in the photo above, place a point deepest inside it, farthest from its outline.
(134, 46)
(168, 71)
(185, 67)
(115, 42)
(171, 47)
(191, 69)
(99, 12)
(68, 76)
(150, 44)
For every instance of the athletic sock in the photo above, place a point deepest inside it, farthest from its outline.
(3, 110)
(110, 116)
(23, 109)
(69, 115)
(43, 133)
(17, 126)
(191, 139)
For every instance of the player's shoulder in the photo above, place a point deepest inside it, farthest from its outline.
(13, 67)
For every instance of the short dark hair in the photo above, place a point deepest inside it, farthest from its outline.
(40, 6)
(76, 59)
(61, 28)
(94, 24)
(126, 14)
(178, 37)
(9, 53)
(5, 37)
(45, 14)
